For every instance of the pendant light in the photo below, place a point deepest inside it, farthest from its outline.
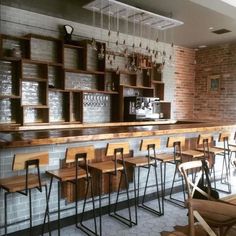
(93, 43)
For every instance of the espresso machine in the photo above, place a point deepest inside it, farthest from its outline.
(141, 108)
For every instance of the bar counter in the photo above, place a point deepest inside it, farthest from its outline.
(85, 133)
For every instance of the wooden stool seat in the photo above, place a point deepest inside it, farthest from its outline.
(17, 183)
(76, 159)
(166, 157)
(213, 150)
(232, 148)
(138, 161)
(67, 174)
(216, 213)
(29, 166)
(105, 167)
(192, 153)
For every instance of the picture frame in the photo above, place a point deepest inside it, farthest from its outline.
(213, 83)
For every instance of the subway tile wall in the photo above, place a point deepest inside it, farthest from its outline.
(19, 22)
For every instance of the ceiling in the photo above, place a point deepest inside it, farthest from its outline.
(197, 15)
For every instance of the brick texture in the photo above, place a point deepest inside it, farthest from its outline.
(216, 61)
(185, 87)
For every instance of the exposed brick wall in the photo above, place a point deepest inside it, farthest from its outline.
(219, 61)
(185, 87)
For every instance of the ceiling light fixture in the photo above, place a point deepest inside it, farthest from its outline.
(154, 20)
(230, 2)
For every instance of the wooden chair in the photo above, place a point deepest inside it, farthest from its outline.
(206, 141)
(175, 158)
(24, 184)
(232, 147)
(146, 162)
(111, 168)
(80, 157)
(217, 214)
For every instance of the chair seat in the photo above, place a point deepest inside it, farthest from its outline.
(166, 157)
(192, 153)
(232, 148)
(183, 231)
(213, 150)
(17, 183)
(138, 161)
(105, 167)
(67, 174)
(215, 213)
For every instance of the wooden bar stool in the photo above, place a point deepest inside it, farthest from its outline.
(146, 162)
(111, 168)
(175, 158)
(206, 142)
(80, 157)
(227, 153)
(24, 184)
(232, 147)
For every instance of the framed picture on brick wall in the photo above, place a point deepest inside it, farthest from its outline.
(213, 83)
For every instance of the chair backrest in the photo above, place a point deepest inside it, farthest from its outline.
(20, 160)
(145, 143)
(223, 136)
(71, 153)
(113, 147)
(204, 137)
(192, 183)
(172, 141)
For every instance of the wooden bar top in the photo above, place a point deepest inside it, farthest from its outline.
(59, 136)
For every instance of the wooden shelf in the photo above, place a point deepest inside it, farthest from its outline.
(90, 91)
(73, 46)
(6, 36)
(56, 77)
(135, 87)
(10, 58)
(35, 106)
(157, 82)
(28, 61)
(34, 79)
(9, 96)
(40, 62)
(84, 71)
(43, 37)
(121, 72)
(57, 90)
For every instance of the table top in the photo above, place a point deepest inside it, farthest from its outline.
(57, 136)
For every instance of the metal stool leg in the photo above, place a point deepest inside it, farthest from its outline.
(30, 210)
(94, 214)
(118, 193)
(127, 221)
(81, 226)
(156, 212)
(162, 188)
(47, 212)
(135, 199)
(100, 205)
(59, 207)
(138, 184)
(173, 200)
(109, 195)
(5, 211)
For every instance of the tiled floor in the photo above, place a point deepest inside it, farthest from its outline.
(149, 224)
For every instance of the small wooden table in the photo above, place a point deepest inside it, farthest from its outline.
(230, 198)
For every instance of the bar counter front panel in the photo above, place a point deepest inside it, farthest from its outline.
(56, 141)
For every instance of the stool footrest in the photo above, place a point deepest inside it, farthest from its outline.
(147, 208)
(123, 219)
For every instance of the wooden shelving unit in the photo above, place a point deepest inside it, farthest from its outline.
(51, 82)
